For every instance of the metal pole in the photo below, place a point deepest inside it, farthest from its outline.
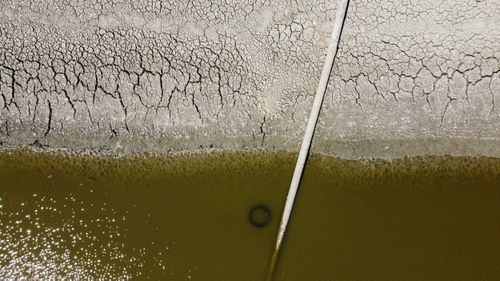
(311, 125)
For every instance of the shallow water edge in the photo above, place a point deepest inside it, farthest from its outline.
(186, 217)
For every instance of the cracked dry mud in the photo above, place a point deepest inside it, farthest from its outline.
(124, 76)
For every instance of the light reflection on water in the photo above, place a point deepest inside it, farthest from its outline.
(43, 238)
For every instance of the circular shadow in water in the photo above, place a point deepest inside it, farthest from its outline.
(259, 216)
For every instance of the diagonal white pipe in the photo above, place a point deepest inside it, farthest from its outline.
(308, 135)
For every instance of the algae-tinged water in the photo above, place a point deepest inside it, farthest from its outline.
(186, 218)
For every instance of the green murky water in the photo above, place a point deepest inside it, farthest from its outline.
(186, 218)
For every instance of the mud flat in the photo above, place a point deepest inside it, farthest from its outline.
(411, 78)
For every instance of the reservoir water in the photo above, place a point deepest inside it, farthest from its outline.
(188, 217)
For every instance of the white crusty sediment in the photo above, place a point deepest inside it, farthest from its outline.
(411, 77)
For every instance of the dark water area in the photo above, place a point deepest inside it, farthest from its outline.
(188, 217)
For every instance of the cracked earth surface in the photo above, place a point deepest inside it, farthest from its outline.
(411, 77)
